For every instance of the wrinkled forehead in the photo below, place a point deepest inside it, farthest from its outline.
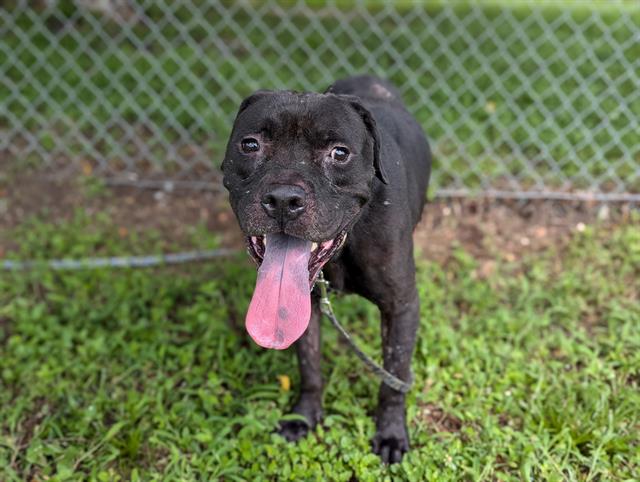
(315, 117)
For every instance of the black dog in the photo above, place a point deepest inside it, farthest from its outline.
(334, 181)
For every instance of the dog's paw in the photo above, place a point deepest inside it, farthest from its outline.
(390, 445)
(293, 430)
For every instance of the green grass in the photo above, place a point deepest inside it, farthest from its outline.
(531, 374)
(188, 81)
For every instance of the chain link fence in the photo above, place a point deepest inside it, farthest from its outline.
(519, 100)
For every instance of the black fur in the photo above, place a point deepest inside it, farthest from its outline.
(377, 196)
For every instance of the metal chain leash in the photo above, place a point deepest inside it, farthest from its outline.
(117, 261)
(387, 378)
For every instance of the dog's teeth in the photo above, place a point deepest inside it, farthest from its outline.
(254, 240)
(327, 244)
(264, 240)
(314, 246)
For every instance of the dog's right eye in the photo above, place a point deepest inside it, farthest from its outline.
(249, 144)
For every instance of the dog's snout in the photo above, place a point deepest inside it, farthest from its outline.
(284, 202)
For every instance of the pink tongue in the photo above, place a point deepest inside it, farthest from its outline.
(281, 305)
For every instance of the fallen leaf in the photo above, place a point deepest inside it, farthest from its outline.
(490, 107)
(87, 168)
(486, 269)
(540, 232)
(285, 382)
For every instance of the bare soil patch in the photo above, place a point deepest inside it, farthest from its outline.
(438, 420)
(494, 230)
(490, 230)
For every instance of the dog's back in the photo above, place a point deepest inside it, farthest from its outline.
(366, 87)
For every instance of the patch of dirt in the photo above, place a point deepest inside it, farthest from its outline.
(494, 230)
(169, 212)
(490, 230)
(5, 330)
(438, 420)
(28, 426)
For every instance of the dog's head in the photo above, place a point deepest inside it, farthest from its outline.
(299, 168)
(302, 165)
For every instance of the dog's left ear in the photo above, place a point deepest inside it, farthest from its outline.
(370, 124)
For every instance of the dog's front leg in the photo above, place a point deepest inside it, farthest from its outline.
(309, 403)
(400, 319)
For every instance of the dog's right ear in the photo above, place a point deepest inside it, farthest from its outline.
(253, 98)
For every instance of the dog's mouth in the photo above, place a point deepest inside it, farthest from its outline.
(280, 308)
(320, 253)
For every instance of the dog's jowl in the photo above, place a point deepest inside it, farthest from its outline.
(333, 181)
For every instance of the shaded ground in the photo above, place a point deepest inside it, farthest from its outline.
(490, 230)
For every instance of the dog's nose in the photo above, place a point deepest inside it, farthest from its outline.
(284, 202)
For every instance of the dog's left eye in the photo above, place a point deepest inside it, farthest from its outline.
(249, 144)
(340, 153)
